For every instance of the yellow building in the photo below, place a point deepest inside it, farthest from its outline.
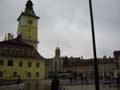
(19, 58)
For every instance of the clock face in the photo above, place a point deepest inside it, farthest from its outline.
(30, 21)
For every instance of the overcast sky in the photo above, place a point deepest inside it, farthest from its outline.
(66, 23)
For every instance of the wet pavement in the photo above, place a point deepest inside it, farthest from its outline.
(64, 84)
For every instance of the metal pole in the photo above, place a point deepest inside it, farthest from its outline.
(97, 87)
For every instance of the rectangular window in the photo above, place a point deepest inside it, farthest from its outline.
(1, 62)
(15, 74)
(1, 74)
(29, 30)
(10, 63)
(29, 37)
(20, 64)
(37, 64)
(29, 64)
(29, 74)
(37, 74)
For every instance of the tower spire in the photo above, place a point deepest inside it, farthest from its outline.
(57, 52)
(29, 8)
(29, 5)
(29, 11)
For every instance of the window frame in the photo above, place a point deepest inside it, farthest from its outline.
(10, 63)
(1, 62)
(15, 74)
(29, 64)
(37, 64)
(1, 74)
(20, 64)
(37, 74)
(29, 74)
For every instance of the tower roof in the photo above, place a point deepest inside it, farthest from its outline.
(28, 10)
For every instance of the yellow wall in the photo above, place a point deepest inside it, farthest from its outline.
(28, 30)
(8, 70)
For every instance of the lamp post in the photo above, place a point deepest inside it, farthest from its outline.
(97, 87)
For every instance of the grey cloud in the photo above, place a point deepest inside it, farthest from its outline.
(66, 23)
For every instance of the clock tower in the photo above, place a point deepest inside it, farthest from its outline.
(28, 25)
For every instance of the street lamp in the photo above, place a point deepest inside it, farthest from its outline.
(97, 87)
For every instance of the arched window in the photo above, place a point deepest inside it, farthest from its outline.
(29, 53)
(22, 52)
(25, 52)
(33, 53)
(4, 50)
(17, 52)
(8, 50)
(12, 51)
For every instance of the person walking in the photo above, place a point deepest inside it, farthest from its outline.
(82, 78)
(55, 83)
(118, 82)
(70, 79)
